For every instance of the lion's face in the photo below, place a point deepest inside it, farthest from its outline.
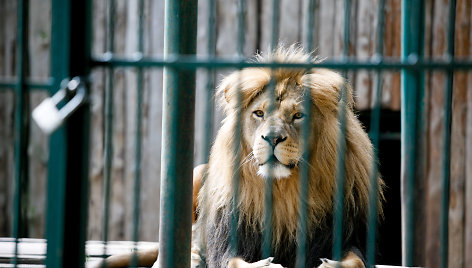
(274, 134)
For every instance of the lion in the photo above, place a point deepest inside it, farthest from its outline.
(271, 146)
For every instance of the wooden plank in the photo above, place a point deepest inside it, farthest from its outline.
(39, 42)
(365, 48)
(152, 123)
(33, 251)
(7, 115)
(97, 121)
(289, 31)
(392, 48)
(457, 207)
(468, 175)
(438, 28)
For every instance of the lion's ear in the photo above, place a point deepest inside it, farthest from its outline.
(247, 82)
(325, 87)
(226, 89)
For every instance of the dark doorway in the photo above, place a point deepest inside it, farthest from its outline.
(389, 231)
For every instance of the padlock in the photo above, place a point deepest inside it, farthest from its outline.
(48, 117)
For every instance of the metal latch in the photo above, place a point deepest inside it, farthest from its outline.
(48, 117)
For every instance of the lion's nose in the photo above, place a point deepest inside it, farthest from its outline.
(273, 140)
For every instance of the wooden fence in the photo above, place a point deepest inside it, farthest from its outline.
(328, 40)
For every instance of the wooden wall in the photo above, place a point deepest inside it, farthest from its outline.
(328, 32)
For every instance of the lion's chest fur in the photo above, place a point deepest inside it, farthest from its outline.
(250, 225)
(250, 243)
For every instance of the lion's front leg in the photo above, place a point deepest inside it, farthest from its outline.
(240, 263)
(350, 261)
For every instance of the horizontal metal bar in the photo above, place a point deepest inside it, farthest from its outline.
(189, 62)
(9, 84)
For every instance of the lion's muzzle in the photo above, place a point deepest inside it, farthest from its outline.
(276, 155)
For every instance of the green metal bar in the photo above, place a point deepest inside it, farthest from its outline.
(27, 85)
(108, 125)
(58, 142)
(67, 201)
(236, 144)
(178, 137)
(208, 104)
(275, 23)
(269, 186)
(138, 143)
(21, 129)
(374, 137)
(446, 136)
(241, 27)
(269, 183)
(412, 117)
(341, 147)
(303, 166)
(186, 62)
(210, 85)
(310, 22)
(340, 172)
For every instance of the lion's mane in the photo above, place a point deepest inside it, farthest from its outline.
(215, 200)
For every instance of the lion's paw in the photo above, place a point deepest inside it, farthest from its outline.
(327, 263)
(266, 263)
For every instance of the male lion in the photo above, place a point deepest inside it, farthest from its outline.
(271, 145)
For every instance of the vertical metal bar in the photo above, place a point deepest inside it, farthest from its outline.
(374, 136)
(446, 136)
(210, 85)
(341, 147)
(412, 97)
(275, 23)
(108, 125)
(208, 104)
(178, 136)
(303, 166)
(340, 172)
(269, 184)
(68, 160)
(237, 139)
(139, 116)
(21, 127)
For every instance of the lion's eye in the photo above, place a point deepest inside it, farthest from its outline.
(297, 116)
(259, 113)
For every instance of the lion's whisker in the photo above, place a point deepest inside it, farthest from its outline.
(306, 162)
(250, 157)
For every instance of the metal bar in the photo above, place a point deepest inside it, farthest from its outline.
(178, 137)
(338, 233)
(108, 125)
(58, 142)
(411, 119)
(269, 186)
(303, 166)
(310, 21)
(208, 106)
(340, 172)
(374, 134)
(68, 160)
(21, 129)
(446, 136)
(269, 183)
(275, 23)
(27, 85)
(186, 62)
(236, 143)
(210, 85)
(139, 119)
